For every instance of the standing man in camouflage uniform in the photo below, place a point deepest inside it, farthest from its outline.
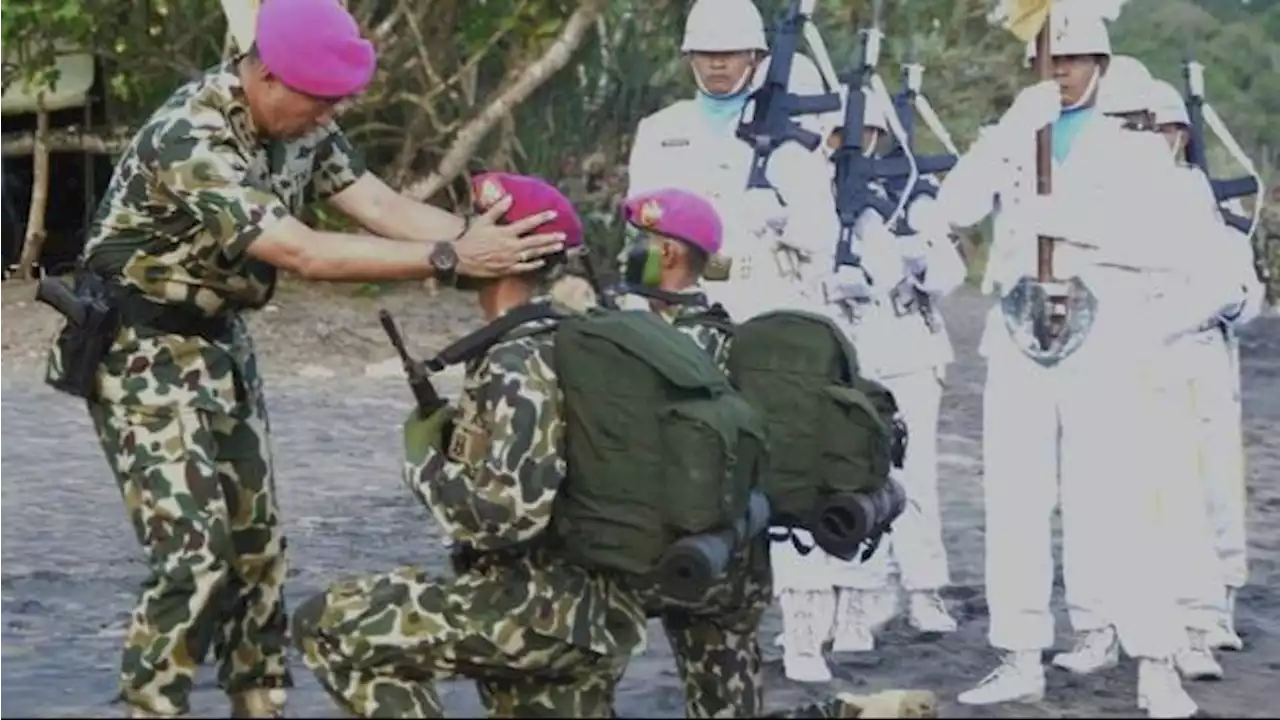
(674, 234)
(198, 218)
(541, 636)
(676, 237)
(775, 239)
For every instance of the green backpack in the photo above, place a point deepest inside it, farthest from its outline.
(833, 435)
(664, 457)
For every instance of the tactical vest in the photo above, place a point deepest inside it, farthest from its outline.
(833, 435)
(664, 457)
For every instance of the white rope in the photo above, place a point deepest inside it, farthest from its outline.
(1215, 123)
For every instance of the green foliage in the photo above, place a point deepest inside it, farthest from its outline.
(442, 61)
(33, 31)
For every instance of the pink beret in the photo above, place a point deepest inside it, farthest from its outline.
(529, 196)
(314, 47)
(678, 214)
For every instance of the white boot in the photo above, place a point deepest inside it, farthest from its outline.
(1196, 661)
(1020, 678)
(806, 623)
(1224, 636)
(1160, 691)
(854, 630)
(1094, 650)
(928, 612)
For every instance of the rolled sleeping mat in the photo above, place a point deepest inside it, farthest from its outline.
(844, 521)
(693, 564)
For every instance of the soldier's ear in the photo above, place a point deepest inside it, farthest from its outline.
(672, 254)
(253, 63)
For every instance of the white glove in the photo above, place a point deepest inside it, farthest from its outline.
(1034, 108)
(914, 248)
(1050, 215)
(914, 267)
(1230, 314)
(846, 284)
(762, 213)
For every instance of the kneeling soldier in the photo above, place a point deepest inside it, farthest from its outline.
(539, 634)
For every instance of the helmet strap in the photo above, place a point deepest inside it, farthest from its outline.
(1090, 91)
(737, 87)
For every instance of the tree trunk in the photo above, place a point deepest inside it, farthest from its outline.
(532, 78)
(33, 243)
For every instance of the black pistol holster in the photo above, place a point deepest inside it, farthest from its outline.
(96, 308)
(92, 322)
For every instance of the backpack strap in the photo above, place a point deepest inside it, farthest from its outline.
(691, 299)
(476, 344)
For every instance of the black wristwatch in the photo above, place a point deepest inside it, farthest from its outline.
(444, 262)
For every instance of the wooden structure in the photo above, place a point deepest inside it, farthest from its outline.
(53, 126)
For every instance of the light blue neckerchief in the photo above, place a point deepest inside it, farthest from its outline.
(719, 112)
(1066, 128)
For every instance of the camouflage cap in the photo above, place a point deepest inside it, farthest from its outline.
(678, 214)
(529, 196)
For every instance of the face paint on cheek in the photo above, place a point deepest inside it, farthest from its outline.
(642, 265)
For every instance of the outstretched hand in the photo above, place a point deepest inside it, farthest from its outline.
(488, 249)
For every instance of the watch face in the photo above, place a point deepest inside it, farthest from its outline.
(443, 257)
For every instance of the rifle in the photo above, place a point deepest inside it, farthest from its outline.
(854, 172)
(1196, 154)
(419, 373)
(464, 349)
(607, 297)
(767, 121)
(905, 104)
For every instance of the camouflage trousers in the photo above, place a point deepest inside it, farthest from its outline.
(200, 493)
(716, 640)
(378, 644)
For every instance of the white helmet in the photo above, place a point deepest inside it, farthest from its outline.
(1074, 32)
(1125, 87)
(724, 26)
(875, 114)
(1167, 105)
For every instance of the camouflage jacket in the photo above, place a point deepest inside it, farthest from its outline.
(493, 487)
(194, 189)
(747, 589)
(714, 340)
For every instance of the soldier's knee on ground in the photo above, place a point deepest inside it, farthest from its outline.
(306, 620)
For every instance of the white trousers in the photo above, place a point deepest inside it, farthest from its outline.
(1191, 415)
(1221, 461)
(1081, 438)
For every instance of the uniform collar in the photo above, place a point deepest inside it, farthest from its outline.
(229, 90)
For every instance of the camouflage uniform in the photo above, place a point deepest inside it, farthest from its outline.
(716, 639)
(181, 418)
(540, 636)
(708, 337)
